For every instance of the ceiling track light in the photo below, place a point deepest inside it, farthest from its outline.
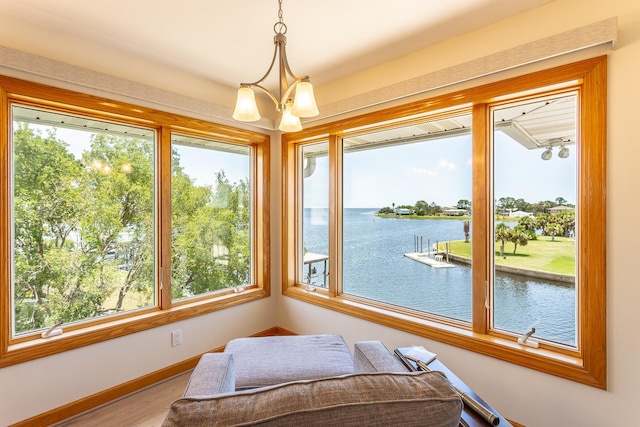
(303, 104)
(563, 153)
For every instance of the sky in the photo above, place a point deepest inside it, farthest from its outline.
(201, 165)
(440, 171)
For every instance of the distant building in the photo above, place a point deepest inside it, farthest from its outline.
(557, 209)
(519, 214)
(454, 211)
(403, 211)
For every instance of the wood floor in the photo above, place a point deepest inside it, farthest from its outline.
(146, 408)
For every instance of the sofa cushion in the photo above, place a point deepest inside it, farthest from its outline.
(374, 356)
(370, 399)
(263, 361)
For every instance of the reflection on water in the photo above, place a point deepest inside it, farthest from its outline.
(375, 267)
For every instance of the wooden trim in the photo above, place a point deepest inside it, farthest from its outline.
(335, 212)
(261, 215)
(289, 223)
(105, 396)
(31, 346)
(90, 402)
(480, 252)
(592, 275)
(6, 325)
(87, 104)
(163, 230)
(587, 363)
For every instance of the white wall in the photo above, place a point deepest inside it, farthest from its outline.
(529, 397)
(526, 396)
(41, 385)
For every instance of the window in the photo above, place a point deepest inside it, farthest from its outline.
(466, 222)
(115, 219)
(210, 211)
(83, 218)
(315, 215)
(534, 191)
(406, 192)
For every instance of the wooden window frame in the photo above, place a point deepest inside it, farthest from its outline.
(586, 363)
(14, 350)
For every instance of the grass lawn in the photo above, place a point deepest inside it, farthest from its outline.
(543, 254)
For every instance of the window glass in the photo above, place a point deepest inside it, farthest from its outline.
(83, 218)
(535, 173)
(406, 218)
(315, 215)
(210, 214)
(535, 193)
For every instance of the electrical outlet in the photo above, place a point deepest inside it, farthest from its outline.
(176, 338)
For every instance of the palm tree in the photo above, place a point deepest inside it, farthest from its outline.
(502, 235)
(518, 237)
(553, 229)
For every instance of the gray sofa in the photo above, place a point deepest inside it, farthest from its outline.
(373, 389)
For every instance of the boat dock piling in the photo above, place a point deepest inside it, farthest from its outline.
(440, 258)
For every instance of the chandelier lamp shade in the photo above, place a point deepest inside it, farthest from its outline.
(295, 97)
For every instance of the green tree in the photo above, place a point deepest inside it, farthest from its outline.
(463, 204)
(553, 229)
(528, 225)
(421, 208)
(566, 219)
(75, 222)
(518, 237)
(506, 205)
(211, 235)
(542, 219)
(522, 205)
(502, 236)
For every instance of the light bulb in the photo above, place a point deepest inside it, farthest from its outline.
(564, 152)
(304, 104)
(246, 108)
(289, 122)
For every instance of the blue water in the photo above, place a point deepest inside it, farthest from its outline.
(375, 268)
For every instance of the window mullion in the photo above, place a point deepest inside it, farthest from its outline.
(480, 225)
(335, 215)
(163, 262)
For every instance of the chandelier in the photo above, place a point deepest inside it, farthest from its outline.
(303, 103)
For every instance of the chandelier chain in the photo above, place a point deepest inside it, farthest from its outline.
(303, 103)
(280, 27)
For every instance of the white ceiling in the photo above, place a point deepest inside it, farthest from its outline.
(229, 41)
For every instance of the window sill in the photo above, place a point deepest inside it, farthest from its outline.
(544, 359)
(75, 336)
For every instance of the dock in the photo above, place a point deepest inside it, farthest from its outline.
(425, 259)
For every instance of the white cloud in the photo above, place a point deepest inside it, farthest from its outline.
(446, 164)
(424, 172)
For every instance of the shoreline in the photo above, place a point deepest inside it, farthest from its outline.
(564, 278)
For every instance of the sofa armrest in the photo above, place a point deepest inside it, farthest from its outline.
(214, 374)
(374, 356)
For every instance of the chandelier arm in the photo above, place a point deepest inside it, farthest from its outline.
(273, 61)
(304, 105)
(285, 63)
(257, 86)
(285, 96)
